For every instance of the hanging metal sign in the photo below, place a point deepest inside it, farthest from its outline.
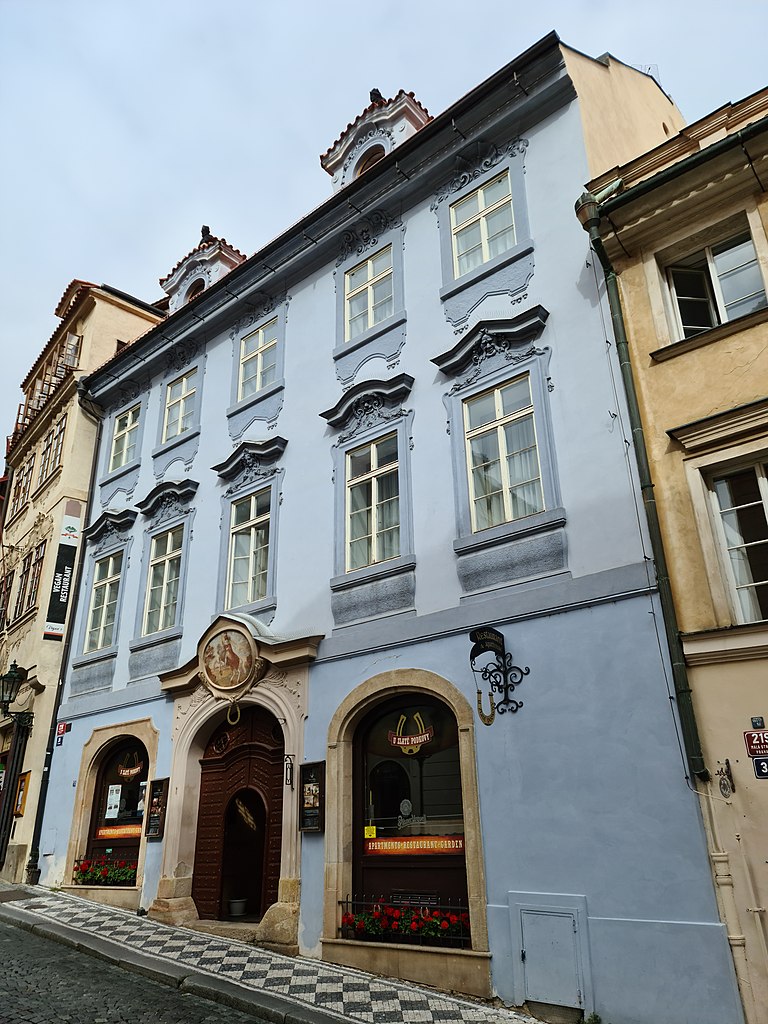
(492, 666)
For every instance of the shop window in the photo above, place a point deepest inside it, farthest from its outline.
(409, 819)
(117, 820)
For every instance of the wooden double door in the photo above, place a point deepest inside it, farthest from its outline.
(239, 825)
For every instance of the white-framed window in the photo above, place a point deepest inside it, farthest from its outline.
(102, 612)
(50, 455)
(482, 225)
(372, 503)
(248, 560)
(368, 294)
(503, 466)
(180, 405)
(740, 499)
(258, 360)
(22, 486)
(716, 284)
(124, 438)
(163, 581)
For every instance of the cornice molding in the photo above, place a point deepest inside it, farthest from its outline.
(250, 461)
(167, 499)
(110, 522)
(723, 428)
(493, 337)
(369, 400)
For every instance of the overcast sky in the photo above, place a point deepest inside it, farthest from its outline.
(126, 124)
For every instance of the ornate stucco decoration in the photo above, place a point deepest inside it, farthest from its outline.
(235, 654)
(365, 234)
(509, 339)
(167, 501)
(251, 462)
(476, 160)
(111, 527)
(369, 403)
(261, 305)
(180, 356)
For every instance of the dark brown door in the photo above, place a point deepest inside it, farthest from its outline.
(239, 825)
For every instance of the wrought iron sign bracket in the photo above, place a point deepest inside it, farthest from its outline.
(492, 666)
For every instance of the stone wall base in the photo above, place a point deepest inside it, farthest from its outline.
(452, 970)
(124, 897)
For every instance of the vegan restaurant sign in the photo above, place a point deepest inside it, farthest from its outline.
(62, 578)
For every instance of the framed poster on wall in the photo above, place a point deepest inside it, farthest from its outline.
(312, 797)
(156, 808)
(21, 795)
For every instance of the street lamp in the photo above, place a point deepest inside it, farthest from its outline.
(10, 684)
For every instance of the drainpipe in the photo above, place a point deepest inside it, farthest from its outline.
(588, 213)
(92, 411)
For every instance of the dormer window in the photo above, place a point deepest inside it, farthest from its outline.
(195, 290)
(371, 157)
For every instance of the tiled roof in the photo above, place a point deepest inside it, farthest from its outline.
(204, 243)
(376, 105)
(71, 293)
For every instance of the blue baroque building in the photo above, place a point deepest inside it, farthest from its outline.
(349, 485)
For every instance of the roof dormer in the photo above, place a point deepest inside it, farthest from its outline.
(209, 261)
(382, 126)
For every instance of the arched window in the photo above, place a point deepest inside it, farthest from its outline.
(369, 158)
(409, 820)
(195, 289)
(117, 819)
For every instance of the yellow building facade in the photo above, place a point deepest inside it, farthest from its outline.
(49, 459)
(685, 228)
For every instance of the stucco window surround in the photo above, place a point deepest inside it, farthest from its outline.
(507, 273)
(109, 536)
(338, 832)
(370, 411)
(367, 238)
(98, 747)
(492, 355)
(123, 477)
(253, 468)
(715, 448)
(184, 362)
(166, 508)
(265, 403)
(667, 268)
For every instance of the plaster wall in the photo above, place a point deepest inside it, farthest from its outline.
(613, 95)
(576, 791)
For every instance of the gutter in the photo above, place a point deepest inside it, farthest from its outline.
(589, 212)
(716, 149)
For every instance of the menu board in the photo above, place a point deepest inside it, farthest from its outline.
(312, 797)
(156, 808)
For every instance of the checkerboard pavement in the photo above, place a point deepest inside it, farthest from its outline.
(352, 994)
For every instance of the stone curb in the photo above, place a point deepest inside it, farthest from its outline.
(275, 1008)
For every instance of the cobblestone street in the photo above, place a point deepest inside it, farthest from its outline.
(43, 982)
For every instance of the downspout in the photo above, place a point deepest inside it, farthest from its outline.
(92, 411)
(588, 212)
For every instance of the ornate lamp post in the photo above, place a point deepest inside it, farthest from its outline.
(10, 684)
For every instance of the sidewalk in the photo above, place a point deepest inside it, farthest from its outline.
(282, 989)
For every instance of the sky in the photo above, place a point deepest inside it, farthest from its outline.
(126, 124)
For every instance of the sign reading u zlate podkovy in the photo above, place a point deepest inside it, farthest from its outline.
(62, 579)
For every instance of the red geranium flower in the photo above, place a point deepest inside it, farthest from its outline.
(443, 925)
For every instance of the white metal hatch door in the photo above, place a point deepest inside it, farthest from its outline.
(550, 958)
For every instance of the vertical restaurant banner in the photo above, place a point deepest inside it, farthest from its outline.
(62, 577)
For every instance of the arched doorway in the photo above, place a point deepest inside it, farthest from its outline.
(239, 824)
(408, 818)
(117, 818)
(243, 866)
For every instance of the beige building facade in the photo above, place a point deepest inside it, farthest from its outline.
(685, 228)
(49, 458)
